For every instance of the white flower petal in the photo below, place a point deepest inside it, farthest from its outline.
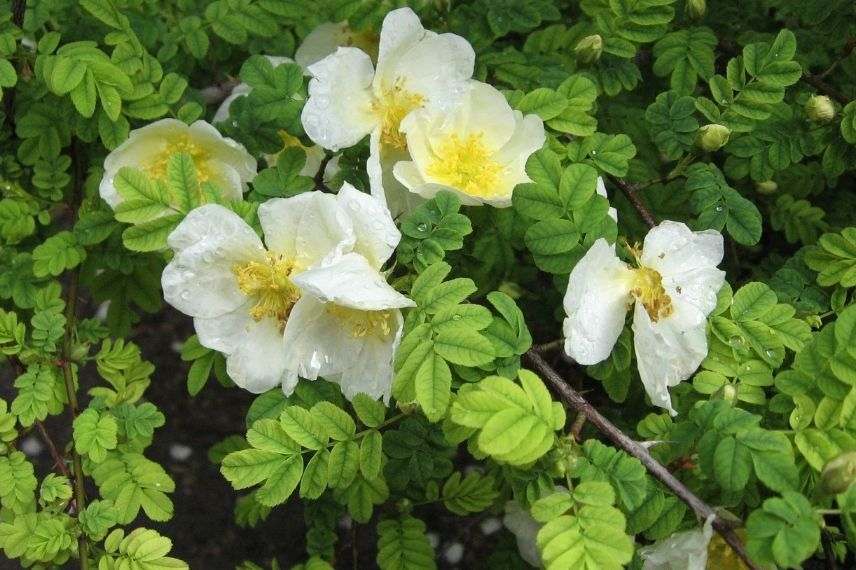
(225, 332)
(339, 113)
(400, 30)
(208, 243)
(670, 350)
(682, 551)
(375, 232)
(601, 189)
(525, 530)
(321, 42)
(258, 363)
(485, 112)
(437, 67)
(350, 281)
(384, 184)
(224, 149)
(306, 228)
(686, 260)
(318, 343)
(596, 304)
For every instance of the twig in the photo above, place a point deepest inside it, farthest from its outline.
(630, 191)
(59, 461)
(619, 438)
(319, 176)
(550, 346)
(67, 345)
(825, 88)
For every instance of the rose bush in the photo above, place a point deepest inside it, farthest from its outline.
(415, 234)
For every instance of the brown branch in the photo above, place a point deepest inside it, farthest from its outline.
(654, 467)
(825, 88)
(67, 346)
(319, 176)
(630, 191)
(59, 460)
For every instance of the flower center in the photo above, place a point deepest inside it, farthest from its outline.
(363, 323)
(648, 290)
(466, 163)
(269, 283)
(392, 106)
(157, 166)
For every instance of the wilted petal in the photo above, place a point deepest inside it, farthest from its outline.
(596, 304)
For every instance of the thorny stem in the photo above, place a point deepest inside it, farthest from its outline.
(620, 439)
(59, 461)
(65, 360)
(630, 191)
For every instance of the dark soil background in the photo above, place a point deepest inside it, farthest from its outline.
(203, 530)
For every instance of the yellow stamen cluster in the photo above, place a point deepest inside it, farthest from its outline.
(364, 323)
(394, 103)
(156, 167)
(269, 283)
(648, 290)
(722, 556)
(467, 164)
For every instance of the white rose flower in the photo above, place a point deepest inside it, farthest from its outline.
(478, 151)
(327, 37)
(525, 530)
(349, 98)
(681, 551)
(674, 289)
(217, 158)
(268, 308)
(347, 325)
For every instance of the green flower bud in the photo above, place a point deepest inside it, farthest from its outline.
(728, 392)
(820, 109)
(712, 137)
(589, 48)
(696, 9)
(766, 187)
(839, 473)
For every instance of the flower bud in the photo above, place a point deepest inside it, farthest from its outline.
(766, 187)
(712, 137)
(820, 109)
(839, 473)
(589, 48)
(728, 392)
(696, 9)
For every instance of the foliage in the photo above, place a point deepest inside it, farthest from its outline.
(735, 118)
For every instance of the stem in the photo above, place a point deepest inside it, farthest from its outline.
(550, 346)
(577, 426)
(65, 358)
(825, 88)
(630, 191)
(59, 461)
(319, 176)
(620, 439)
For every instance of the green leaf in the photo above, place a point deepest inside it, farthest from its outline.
(334, 421)
(95, 434)
(370, 411)
(784, 531)
(151, 235)
(303, 428)
(463, 346)
(58, 253)
(17, 483)
(344, 463)
(471, 494)
(403, 545)
(433, 383)
(371, 454)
